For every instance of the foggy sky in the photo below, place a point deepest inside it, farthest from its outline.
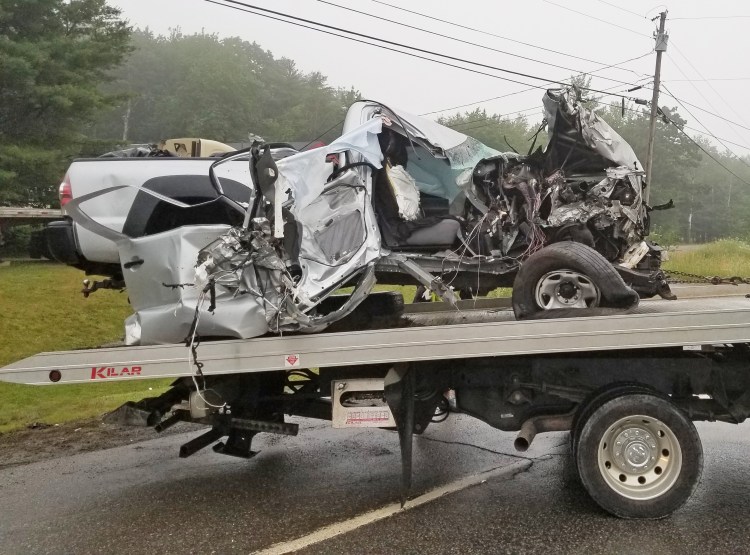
(712, 48)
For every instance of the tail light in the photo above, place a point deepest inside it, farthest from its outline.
(65, 192)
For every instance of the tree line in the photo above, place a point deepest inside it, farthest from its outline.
(201, 85)
(76, 80)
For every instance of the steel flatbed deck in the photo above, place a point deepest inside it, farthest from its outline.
(425, 332)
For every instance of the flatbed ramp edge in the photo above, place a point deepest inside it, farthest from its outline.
(656, 324)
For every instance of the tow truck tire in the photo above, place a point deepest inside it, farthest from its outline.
(568, 275)
(639, 456)
(595, 400)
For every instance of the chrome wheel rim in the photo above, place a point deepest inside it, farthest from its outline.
(566, 289)
(639, 457)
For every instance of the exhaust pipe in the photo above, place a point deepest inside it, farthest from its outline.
(525, 436)
(540, 424)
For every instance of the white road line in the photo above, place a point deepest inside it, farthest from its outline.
(344, 526)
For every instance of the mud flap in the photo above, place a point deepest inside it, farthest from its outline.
(129, 414)
(399, 393)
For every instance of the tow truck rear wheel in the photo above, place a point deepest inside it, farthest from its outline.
(596, 399)
(639, 456)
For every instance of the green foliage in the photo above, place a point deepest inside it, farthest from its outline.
(15, 241)
(666, 237)
(501, 133)
(71, 85)
(43, 310)
(724, 258)
(709, 202)
(21, 405)
(223, 89)
(54, 54)
(30, 174)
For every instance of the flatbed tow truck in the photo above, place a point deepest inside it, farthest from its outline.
(628, 386)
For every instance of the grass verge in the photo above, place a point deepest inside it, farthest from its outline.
(725, 258)
(42, 309)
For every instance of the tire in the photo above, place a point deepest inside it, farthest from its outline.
(639, 456)
(568, 275)
(595, 400)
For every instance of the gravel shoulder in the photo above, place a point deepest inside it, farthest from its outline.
(41, 442)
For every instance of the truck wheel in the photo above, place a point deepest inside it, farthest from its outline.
(639, 456)
(595, 400)
(568, 275)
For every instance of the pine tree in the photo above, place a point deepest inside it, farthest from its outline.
(54, 55)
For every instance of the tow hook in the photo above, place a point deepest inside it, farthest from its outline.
(663, 290)
(89, 286)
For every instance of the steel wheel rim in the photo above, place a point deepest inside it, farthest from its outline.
(639, 457)
(566, 289)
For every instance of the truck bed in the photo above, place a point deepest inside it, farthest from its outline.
(429, 331)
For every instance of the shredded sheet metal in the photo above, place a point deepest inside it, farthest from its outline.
(339, 235)
(255, 282)
(305, 174)
(164, 295)
(596, 133)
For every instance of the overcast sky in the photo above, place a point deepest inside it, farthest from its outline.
(706, 64)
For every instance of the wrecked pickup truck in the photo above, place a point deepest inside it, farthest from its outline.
(409, 201)
(176, 168)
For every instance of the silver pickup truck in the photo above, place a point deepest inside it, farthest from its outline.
(271, 233)
(132, 211)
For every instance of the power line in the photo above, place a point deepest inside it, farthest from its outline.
(442, 35)
(528, 89)
(696, 143)
(702, 132)
(494, 121)
(707, 111)
(700, 93)
(622, 96)
(708, 132)
(494, 116)
(596, 18)
(712, 135)
(709, 84)
(488, 33)
(712, 17)
(381, 46)
(641, 16)
(256, 10)
(477, 102)
(251, 8)
(712, 79)
(715, 137)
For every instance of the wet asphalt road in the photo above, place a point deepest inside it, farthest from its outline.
(143, 499)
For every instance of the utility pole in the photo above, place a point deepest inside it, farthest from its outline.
(661, 46)
(126, 122)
